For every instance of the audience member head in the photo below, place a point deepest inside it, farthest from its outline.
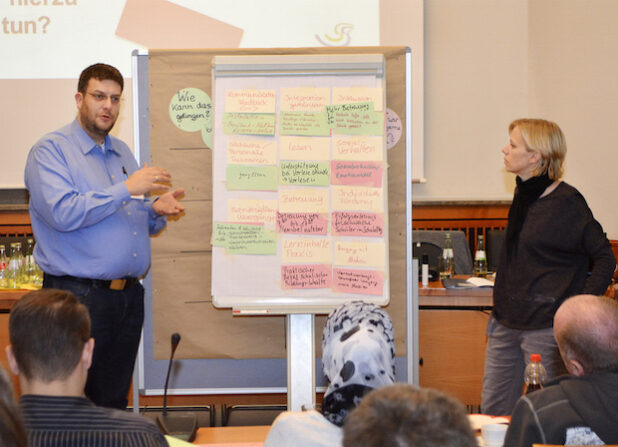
(403, 415)
(49, 331)
(12, 431)
(586, 330)
(546, 138)
(358, 355)
(100, 72)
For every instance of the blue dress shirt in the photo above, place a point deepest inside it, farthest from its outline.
(83, 218)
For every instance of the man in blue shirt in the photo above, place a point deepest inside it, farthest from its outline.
(92, 223)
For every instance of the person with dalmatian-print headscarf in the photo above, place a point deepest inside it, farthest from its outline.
(358, 356)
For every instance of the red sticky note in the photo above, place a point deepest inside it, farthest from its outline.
(306, 276)
(365, 282)
(302, 223)
(357, 223)
(356, 173)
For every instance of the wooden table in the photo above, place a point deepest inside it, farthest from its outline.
(452, 324)
(228, 435)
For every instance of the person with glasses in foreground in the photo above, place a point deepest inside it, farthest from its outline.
(92, 217)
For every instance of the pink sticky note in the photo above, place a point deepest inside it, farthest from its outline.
(357, 223)
(302, 223)
(356, 173)
(316, 276)
(365, 282)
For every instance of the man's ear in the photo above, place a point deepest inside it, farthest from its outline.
(78, 99)
(12, 361)
(87, 353)
(575, 368)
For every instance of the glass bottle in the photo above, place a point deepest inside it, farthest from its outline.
(30, 271)
(480, 258)
(534, 375)
(14, 270)
(4, 261)
(447, 259)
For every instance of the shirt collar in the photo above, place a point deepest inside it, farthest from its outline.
(86, 143)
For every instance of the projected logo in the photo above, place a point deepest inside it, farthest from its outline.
(342, 37)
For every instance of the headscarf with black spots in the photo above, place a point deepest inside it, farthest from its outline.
(358, 355)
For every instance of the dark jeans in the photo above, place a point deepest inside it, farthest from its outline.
(116, 323)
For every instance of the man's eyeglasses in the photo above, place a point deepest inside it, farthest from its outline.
(101, 97)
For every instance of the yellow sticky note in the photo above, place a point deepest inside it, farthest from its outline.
(306, 251)
(357, 198)
(261, 151)
(360, 254)
(304, 200)
(343, 95)
(303, 99)
(304, 148)
(358, 148)
(250, 101)
(252, 211)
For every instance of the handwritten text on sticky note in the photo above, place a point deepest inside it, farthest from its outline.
(306, 276)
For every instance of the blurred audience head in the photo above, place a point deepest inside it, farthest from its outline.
(403, 415)
(546, 138)
(586, 329)
(358, 355)
(12, 431)
(48, 329)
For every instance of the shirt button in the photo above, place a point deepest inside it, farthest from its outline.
(129, 213)
(135, 233)
(135, 255)
(113, 176)
(124, 202)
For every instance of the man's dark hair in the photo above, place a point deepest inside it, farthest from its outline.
(403, 415)
(48, 329)
(100, 72)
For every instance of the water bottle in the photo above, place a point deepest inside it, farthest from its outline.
(480, 258)
(4, 261)
(30, 270)
(447, 260)
(14, 269)
(534, 375)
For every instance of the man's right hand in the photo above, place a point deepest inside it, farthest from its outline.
(148, 179)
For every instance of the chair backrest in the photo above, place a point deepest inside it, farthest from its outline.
(493, 248)
(461, 250)
(241, 415)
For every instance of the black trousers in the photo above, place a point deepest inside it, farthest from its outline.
(116, 318)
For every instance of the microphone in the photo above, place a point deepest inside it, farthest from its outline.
(182, 426)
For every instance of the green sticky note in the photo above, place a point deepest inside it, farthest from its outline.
(307, 173)
(245, 239)
(356, 118)
(249, 123)
(251, 178)
(304, 123)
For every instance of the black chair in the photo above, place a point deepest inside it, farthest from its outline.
(461, 249)
(493, 248)
(243, 415)
(205, 413)
(433, 252)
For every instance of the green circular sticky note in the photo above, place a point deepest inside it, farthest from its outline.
(191, 110)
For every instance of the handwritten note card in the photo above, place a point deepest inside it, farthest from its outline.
(303, 123)
(304, 173)
(251, 151)
(301, 99)
(302, 223)
(244, 239)
(356, 198)
(305, 200)
(248, 124)
(251, 178)
(366, 282)
(360, 254)
(306, 276)
(365, 148)
(343, 95)
(250, 101)
(252, 211)
(349, 223)
(355, 119)
(356, 173)
(306, 251)
(304, 148)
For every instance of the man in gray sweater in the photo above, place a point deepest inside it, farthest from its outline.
(582, 408)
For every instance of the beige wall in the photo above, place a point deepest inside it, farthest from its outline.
(490, 61)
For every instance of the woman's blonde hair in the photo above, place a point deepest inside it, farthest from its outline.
(546, 138)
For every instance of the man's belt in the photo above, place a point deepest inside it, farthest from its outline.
(112, 284)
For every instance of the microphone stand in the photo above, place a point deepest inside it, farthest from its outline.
(181, 426)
